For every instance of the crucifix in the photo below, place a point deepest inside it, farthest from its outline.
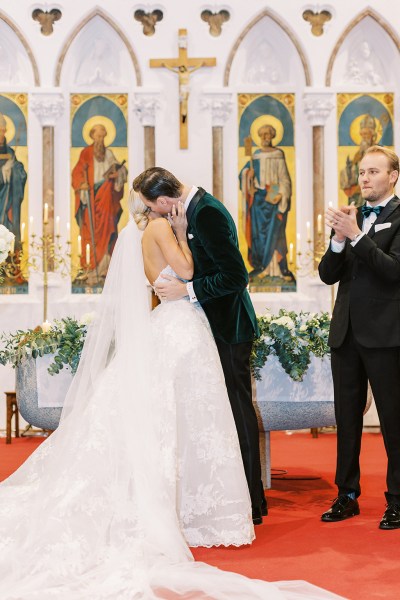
(183, 66)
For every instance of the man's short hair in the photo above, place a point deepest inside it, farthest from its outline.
(155, 182)
(392, 157)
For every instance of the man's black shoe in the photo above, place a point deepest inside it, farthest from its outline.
(391, 517)
(343, 507)
(257, 516)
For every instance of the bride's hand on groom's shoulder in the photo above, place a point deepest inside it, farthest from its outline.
(170, 288)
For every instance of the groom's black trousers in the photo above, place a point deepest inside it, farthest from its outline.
(235, 360)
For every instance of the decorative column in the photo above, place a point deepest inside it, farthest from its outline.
(48, 107)
(318, 106)
(220, 104)
(145, 105)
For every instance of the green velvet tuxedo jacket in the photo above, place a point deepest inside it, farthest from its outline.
(220, 277)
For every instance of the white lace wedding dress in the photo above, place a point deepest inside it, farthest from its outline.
(145, 461)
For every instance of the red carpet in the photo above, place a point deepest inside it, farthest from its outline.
(353, 558)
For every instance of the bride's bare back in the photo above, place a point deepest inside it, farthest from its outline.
(161, 248)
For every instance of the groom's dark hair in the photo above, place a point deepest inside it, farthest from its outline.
(155, 182)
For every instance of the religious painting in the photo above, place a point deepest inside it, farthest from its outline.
(363, 120)
(14, 189)
(99, 175)
(267, 215)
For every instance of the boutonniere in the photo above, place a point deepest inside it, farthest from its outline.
(190, 236)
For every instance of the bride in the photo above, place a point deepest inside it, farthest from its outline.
(146, 459)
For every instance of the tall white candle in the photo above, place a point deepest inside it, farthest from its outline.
(308, 227)
(291, 252)
(298, 242)
(79, 245)
(87, 254)
(57, 225)
(319, 224)
(22, 232)
(31, 230)
(68, 232)
(46, 213)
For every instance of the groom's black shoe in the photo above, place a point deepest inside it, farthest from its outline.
(343, 507)
(257, 516)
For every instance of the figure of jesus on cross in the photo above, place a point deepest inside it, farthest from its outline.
(184, 66)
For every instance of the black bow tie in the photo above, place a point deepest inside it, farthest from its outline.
(367, 210)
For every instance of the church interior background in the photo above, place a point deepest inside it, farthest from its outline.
(251, 100)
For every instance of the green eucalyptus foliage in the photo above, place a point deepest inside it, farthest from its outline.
(64, 339)
(293, 338)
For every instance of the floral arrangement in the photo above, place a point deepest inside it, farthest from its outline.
(293, 338)
(6, 244)
(63, 338)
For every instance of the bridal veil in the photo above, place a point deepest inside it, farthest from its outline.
(91, 514)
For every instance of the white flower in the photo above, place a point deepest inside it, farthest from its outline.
(303, 328)
(6, 242)
(87, 318)
(285, 321)
(267, 340)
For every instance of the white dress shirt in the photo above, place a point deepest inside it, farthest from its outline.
(189, 285)
(366, 226)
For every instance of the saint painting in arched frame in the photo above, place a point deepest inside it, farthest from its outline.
(267, 219)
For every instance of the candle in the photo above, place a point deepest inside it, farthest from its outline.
(68, 232)
(22, 232)
(298, 242)
(12, 245)
(308, 227)
(46, 326)
(290, 252)
(319, 224)
(79, 245)
(87, 254)
(330, 204)
(57, 225)
(31, 226)
(46, 213)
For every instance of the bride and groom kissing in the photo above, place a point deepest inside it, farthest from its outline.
(157, 447)
(219, 283)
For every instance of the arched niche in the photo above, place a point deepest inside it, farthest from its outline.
(17, 64)
(97, 54)
(267, 52)
(365, 55)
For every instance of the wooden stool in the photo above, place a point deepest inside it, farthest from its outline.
(12, 411)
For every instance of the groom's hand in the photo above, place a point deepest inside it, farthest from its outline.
(172, 289)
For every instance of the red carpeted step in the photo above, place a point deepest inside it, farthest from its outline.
(353, 558)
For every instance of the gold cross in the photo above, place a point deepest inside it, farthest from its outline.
(184, 66)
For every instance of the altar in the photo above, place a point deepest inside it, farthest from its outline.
(282, 403)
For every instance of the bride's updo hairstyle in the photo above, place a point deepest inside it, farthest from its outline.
(138, 210)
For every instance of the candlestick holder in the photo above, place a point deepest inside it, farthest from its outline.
(45, 253)
(307, 260)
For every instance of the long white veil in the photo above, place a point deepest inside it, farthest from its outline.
(91, 514)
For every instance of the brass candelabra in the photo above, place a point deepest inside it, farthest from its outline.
(45, 253)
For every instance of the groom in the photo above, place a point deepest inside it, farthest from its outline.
(220, 285)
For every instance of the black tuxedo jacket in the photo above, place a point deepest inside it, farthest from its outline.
(369, 283)
(220, 277)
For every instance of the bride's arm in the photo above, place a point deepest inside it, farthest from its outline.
(174, 249)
